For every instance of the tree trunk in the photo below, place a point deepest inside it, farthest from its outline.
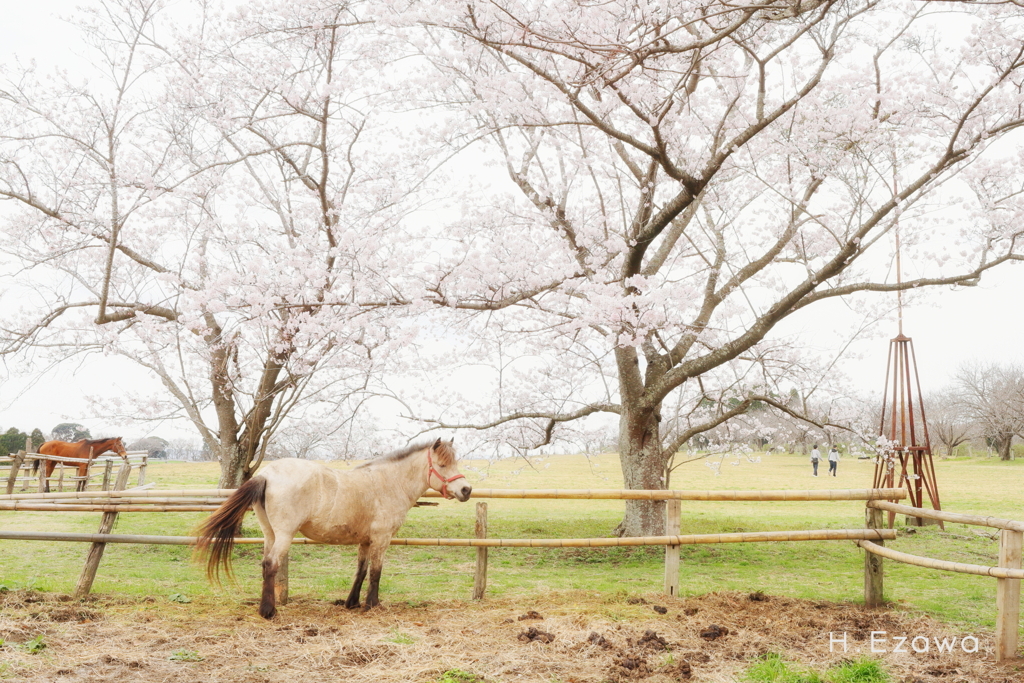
(1002, 442)
(643, 467)
(232, 467)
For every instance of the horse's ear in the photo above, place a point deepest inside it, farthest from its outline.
(437, 444)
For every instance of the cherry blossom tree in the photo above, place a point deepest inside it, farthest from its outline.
(214, 204)
(249, 206)
(685, 178)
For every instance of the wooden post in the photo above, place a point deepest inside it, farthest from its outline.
(107, 469)
(480, 578)
(92, 560)
(60, 476)
(1008, 596)
(19, 458)
(873, 569)
(672, 513)
(142, 470)
(42, 476)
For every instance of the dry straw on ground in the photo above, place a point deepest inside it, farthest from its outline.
(567, 637)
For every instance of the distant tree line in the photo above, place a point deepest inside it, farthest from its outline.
(982, 407)
(13, 440)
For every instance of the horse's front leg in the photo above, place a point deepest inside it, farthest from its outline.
(83, 473)
(357, 582)
(376, 559)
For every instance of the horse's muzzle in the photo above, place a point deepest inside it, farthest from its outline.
(461, 493)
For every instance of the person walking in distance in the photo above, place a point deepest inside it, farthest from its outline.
(833, 461)
(815, 457)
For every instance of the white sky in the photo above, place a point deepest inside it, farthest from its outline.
(985, 323)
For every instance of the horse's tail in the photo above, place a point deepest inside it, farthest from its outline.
(217, 533)
(35, 465)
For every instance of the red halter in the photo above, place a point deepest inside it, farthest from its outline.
(433, 471)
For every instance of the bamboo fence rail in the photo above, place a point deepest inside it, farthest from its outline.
(219, 494)
(564, 494)
(31, 506)
(696, 539)
(944, 565)
(976, 520)
(630, 494)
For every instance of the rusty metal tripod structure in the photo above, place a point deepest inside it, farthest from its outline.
(903, 429)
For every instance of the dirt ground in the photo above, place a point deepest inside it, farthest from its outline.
(565, 637)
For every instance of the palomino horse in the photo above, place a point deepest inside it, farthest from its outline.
(85, 449)
(363, 506)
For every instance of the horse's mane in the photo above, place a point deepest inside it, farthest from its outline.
(93, 442)
(445, 453)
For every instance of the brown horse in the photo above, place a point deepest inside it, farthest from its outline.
(85, 449)
(363, 506)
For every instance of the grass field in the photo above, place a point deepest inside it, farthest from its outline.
(830, 571)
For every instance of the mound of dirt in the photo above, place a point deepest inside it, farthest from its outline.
(588, 637)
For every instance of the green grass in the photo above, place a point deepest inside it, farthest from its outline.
(772, 668)
(812, 570)
(459, 676)
(858, 671)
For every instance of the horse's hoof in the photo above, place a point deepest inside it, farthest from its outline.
(354, 605)
(268, 612)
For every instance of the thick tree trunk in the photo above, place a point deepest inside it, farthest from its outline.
(643, 467)
(1002, 442)
(232, 467)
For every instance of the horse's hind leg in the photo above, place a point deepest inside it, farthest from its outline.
(275, 549)
(357, 582)
(272, 558)
(376, 562)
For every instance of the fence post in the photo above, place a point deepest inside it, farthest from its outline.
(42, 476)
(873, 569)
(107, 469)
(1008, 595)
(142, 470)
(92, 560)
(672, 512)
(480, 578)
(19, 458)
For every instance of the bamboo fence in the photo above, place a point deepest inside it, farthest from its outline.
(112, 502)
(99, 474)
(871, 539)
(1008, 574)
